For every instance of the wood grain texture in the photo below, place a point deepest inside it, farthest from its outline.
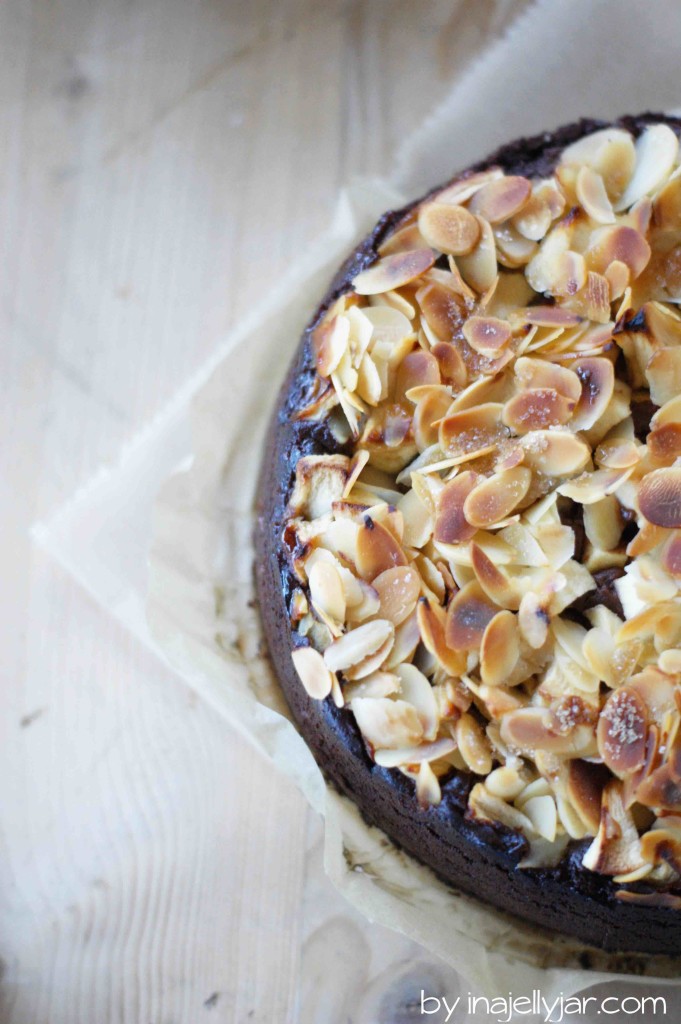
(160, 163)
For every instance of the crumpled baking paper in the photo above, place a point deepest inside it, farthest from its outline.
(200, 609)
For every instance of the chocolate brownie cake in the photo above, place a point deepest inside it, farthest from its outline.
(468, 535)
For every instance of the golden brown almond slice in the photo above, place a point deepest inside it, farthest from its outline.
(471, 429)
(498, 587)
(621, 243)
(377, 550)
(354, 648)
(666, 214)
(405, 239)
(534, 619)
(326, 591)
(618, 453)
(647, 538)
(486, 334)
(594, 487)
(501, 199)
(432, 622)
(616, 850)
(610, 152)
(479, 267)
(430, 409)
(593, 197)
(618, 277)
(416, 369)
(494, 498)
(467, 616)
(659, 497)
(585, 784)
(312, 672)
(393, 271)
(664, 443)
(459, 191)
(597, 377)
(513, 249)
(387, 724)
(538, 373)
(388, 325)
(663, 373)
(500, 649)
(603, 522)
(555, 452)
(537, 409)
(450, 229)
(330, 342)
(442, 309)
(528, 730)
(451, 525)
(549, 316)
(416, 690)
(656, 151)
(593, 301)
(622, 732)
(671, 556)
(398, 591)
(452, 367)
(473, 745)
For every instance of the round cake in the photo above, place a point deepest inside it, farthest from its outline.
(468, 532)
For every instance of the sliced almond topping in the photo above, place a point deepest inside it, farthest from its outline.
(537, 409)
(471, 429)
(479, 268)
(398, 591)
(593, 197)
(663, 373)
(467, 616)
(494, 498)
(656, 152)
(326, 591)
(664, 443)
(622, 732)
(486, 334)
(354, 647)
(330, 341)
(312, 672)
(594, 487)
(432, 622)
(500, 648)
(417, 691)
(450, 229)
(501, 199)
(597, 377)
(452, 367)
(549, 316)
(671, 556)
(537, 373)
(473, 745)
(405, 239)
(387, 723)
(451, 525)
(377, 550)
(555, 452)
(393, 271)
(498, 587)
(610, 152)
(659, 497)
(621, 243)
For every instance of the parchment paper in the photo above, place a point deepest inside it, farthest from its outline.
(559, 61)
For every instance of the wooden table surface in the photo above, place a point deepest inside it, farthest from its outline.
(161, 164)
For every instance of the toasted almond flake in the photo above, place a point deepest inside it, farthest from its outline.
(659, 497)
(389, 325)
(466, 186)
(500, 648)
(618, 277)
(513, 249)
(479, 267)
(494, 498)
(417, 691)
(656, 152)
(593, 197)
(498, 587)
(610, 152)
(442, 308)
(664, 443)
(432, 621)
(549, 316)
(377, 550)
(452, 367)
(469, 430)
(670, 662)
(398, 590)
(473, 745)
(330, 341)
(312, 672)
(393, 271)
(326, 591)
(537, 373)
(621, 243)
(555, 452)
(486, 334)
(671, 556)
(357, 464)
(622, 732)
(354, 647)
(537, 409)
(541, 810)
(663, 373)
(405, 239)
(467, 616)
(451, 525)
(450, 229)
(501, 199)
(387, 723)
(377, 684)
(594, 487)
